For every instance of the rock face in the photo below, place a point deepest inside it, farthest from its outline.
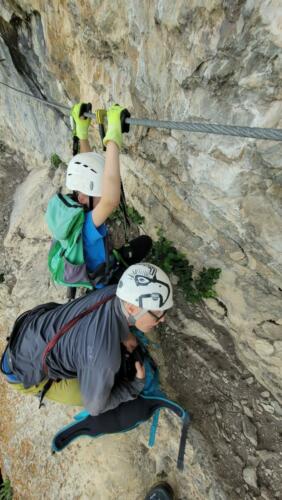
(217, 198)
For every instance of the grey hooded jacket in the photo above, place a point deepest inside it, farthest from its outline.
(90, 350)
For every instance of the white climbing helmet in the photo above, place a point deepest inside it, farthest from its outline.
(85, 172)
(146, 286)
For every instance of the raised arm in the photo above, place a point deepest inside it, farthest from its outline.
(111, 182)
(111, 179)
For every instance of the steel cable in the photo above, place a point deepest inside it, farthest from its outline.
(204, 128)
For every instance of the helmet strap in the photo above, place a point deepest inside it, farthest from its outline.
(91, 202)
(75, 196)
(131, 320)
(130, 317)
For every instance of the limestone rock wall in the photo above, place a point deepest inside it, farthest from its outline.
(218, 198)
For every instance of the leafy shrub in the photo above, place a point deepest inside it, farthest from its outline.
(6, 491)
(195, 288)
(133, 215)
(55, 160)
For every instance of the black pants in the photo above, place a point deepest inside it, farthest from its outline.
(131, 253)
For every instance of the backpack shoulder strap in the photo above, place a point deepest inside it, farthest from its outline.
(64, 216)
(68, 201)
(65, 328)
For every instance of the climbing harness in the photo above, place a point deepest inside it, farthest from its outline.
(271, 134)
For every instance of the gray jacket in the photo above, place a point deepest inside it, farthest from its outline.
(90, 350)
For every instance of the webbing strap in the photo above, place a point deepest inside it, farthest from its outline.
(123, 208)
(153, 431)
(65, 328)
(183, 439)
(75, 145)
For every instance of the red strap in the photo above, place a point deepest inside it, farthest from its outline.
(67, 327)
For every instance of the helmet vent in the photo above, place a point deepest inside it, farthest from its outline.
(87, 173)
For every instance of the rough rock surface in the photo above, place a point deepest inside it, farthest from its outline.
(218, 198)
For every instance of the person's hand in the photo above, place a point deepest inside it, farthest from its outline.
(81, 124)
(131, 342)
(115, 130)
(140, 370)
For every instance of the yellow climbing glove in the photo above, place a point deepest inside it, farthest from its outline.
(80, 125)
(116, 125)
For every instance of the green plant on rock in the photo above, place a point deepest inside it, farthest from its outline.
(6, 491)
(133, 215)
(55, 160)
(166, 256)
(206, 280)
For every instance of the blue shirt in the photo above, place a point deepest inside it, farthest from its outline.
(93, 243)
